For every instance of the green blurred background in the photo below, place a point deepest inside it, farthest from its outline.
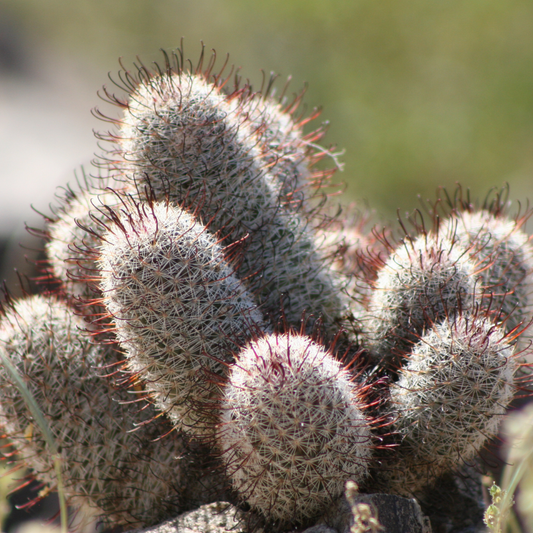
(418, 94)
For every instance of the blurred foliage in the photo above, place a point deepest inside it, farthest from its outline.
(9, 480)
(419, 94)
(518, 473)
(6, 482)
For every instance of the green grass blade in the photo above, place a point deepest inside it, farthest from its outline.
(41, 422)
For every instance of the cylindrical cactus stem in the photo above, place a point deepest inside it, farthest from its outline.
(503, 255)
(188, 142)
(73, 240)
(449, 399)
(422, 282)
(288, 154)
(113, 459)
(293, 428)
(179, 310)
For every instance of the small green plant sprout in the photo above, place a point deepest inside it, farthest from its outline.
(495, 515)
(293, 428)
(364, 516)
(517, 478)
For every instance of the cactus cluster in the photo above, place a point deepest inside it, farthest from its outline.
(110, 442)
(212, 327)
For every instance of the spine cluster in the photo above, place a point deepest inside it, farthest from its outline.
(220, 330)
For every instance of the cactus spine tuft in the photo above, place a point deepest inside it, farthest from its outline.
(423, 281)
(74, 237)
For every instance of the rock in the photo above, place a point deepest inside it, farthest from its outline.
(455, 503)
(394, 513)
(219, 517)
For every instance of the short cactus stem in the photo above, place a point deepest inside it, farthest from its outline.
(178, 309)
(73, 239)
(293, 428)
(450, 398)
(423, 281)
(113, 459)
(354, 253)
(503, 255)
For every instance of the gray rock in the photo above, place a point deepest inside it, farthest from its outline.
(219, 517)
(394, 513)
(321, 528)
(455, 503)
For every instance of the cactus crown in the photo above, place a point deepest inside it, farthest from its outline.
(422, 282)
